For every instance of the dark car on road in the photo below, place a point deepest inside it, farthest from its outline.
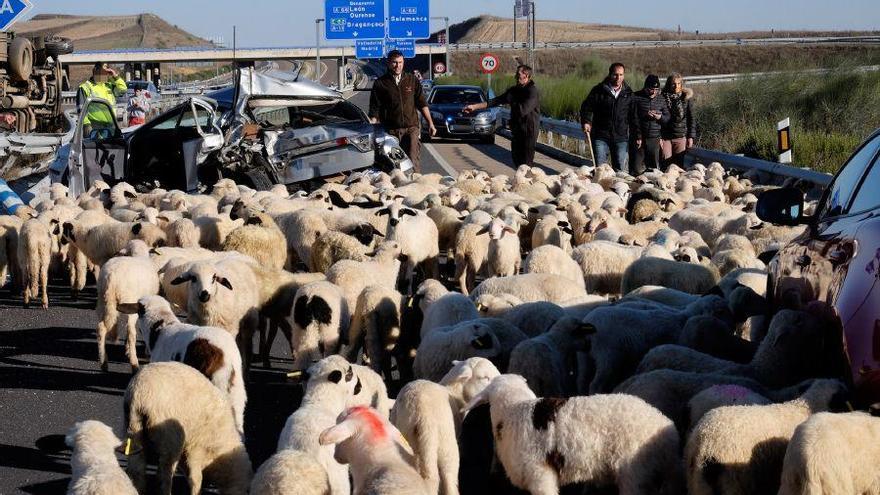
(835, 263)
(446, 103)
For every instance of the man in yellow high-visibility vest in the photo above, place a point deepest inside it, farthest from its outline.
(105, 83)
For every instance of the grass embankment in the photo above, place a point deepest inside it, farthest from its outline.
(830, 113)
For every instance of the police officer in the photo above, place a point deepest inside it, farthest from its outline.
(105, 83)
(525, 115)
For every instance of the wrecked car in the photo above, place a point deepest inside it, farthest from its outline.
(269, 128)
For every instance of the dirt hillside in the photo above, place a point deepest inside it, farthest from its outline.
(107, 32)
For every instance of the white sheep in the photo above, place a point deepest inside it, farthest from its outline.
(418, 238)
(740, 449)
(552, 259)
(261, 239)
(372, 445)
(123, 279)
(34, 253)
(532, 287)
(692, 278)
(101, 242)
(833, 453)
(370, 391)
(431, 427)
(210, 350)
(471, 254)
(376, 327)
(172, 411)
(544, 361)
(330, 386)
(546, 443)
(291, 471)
(624, 334)
(720, 396)
(94, 469)
(442, 308)
(503, 257)
(602, 264)
(320, 315)
(353, 276)
(224, 294)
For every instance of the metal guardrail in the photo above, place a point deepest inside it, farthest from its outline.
(659, 43)
(573, 130)
(719, 78)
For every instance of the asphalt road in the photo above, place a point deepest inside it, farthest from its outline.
(49, 380)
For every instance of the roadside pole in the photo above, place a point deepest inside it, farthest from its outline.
(318, 49)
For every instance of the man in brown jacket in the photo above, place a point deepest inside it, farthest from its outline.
(395, 101)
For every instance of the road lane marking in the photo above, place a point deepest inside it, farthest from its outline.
(440, 160)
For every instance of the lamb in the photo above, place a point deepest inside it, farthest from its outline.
(471, 254)
(686, 277)
(486, 337)
(354, 276)
(320, 315)
(330, 386)
(333, 246)
(503, 257)
(370, 391)
(796, 348)
(376, 327)
(101, 242)
(34, 253)
(833, 453)
(740, 449)
(534, 318)
(224, 294)
(261, 239)
(450, 308)
(625, 334)
(10, 226)
(448, 221)
(720, 396)
(711, 226)
(210, 350)
(291, 471)
(670, 390)
(93, 465)
(371, 445)
(418, 238)
(431, 428)
(551, 230)
(630, 442)
(174, 413)
(123, 279)
(603, 264)
(552, 259)
(545, 361)
(532, 287)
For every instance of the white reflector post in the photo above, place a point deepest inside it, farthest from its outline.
(783, 140)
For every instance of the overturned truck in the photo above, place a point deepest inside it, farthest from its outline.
(31, 82)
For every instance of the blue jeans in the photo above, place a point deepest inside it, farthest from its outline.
(619, 154)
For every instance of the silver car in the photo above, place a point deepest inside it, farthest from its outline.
(270, 128)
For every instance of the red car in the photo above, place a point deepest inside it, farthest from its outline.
(836, 262)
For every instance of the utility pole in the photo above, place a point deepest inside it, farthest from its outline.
(318, 49)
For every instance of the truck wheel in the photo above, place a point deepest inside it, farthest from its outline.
(21, 59)
(56, 45)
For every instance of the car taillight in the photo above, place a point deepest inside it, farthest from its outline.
(361, 142)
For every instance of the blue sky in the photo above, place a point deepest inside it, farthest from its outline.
(291, 22)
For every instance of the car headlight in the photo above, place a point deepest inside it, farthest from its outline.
(484, 117)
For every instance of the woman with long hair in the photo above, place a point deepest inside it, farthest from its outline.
(679, 132)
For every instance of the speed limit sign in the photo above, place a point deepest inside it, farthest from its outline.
(488, 63)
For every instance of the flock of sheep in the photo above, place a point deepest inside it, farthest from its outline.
(529, 332)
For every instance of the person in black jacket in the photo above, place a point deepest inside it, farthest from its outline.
(525, 115)
(607, 116)
(651, 114)
(677, 135)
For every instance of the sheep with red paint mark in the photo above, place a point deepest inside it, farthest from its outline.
(376, 453)
(211, 350)
(546, 443)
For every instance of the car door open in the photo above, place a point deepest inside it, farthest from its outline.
(98, 149)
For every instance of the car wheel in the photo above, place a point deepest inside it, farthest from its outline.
(490, 139)
(56, 45)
